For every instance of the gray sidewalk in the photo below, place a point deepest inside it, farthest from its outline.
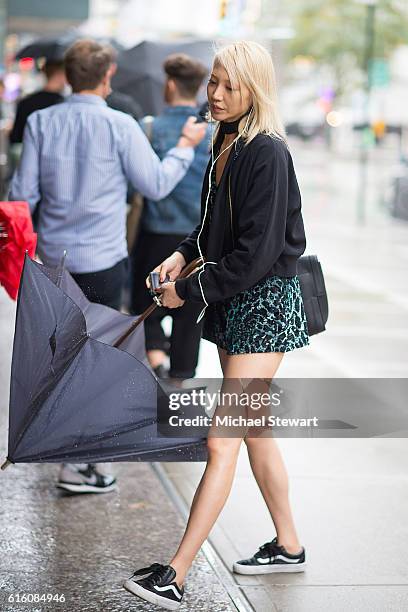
(350, 503)
(84, 547)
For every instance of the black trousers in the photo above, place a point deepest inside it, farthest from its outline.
(184, 343)
(105, 286)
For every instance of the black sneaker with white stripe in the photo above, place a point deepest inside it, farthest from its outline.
(84, 478)
(156, 584)
(271, 558)
(145, 571)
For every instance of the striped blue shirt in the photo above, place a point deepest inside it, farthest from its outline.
(77, 159)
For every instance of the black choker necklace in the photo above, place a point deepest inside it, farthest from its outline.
(231, 127)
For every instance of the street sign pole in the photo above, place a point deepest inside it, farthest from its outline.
(365, 137)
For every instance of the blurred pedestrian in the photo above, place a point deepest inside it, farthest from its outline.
(50, 94)
(123, 102)
(76, 161)
(251, 234)
(2, 92)
(166, 222)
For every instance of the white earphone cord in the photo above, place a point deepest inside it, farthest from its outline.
(213, 162)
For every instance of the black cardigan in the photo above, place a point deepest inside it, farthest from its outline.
(267, 237)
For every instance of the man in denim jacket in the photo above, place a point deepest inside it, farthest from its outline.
(166, 222)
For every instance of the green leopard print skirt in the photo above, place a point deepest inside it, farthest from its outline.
(267, 318)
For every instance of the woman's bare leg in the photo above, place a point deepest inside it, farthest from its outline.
(266, 459)
(216, 482)
(209, 500)
(270, 474)
(222, 354)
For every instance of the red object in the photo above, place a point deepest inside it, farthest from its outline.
(26, 64)
(16, 237)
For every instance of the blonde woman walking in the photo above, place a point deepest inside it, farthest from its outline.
(251, 235)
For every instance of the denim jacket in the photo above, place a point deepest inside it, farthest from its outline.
(179, 212)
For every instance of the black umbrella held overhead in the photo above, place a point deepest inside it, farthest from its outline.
(81, 387)
(54, 48)
(140, 70)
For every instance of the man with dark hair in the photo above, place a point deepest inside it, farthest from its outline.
(77, 159)
(184, 73)
(166, 222)
(51, 94)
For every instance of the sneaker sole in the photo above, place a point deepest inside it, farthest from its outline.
(84, 488)
(268, 569)
(139, 591)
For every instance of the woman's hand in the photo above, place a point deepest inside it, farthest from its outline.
(172, 266)
(169, 297)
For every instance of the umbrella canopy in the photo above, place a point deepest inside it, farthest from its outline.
(54, 48)
(16, 237)
(74, 396)
(140, 70)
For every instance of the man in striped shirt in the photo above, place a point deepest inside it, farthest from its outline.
(77, 160)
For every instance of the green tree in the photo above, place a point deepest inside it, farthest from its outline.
(332, 32)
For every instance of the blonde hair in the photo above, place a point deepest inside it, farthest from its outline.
(249, 63)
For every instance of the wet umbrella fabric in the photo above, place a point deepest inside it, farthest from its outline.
(74, 396)
(16, 237)
(140, 70)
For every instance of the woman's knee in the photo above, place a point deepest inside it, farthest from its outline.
(223, 448)
(260, 438)
(250, 442)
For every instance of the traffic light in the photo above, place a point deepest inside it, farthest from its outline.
(223, 8)
(379, 129)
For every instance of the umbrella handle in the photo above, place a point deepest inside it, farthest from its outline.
(186, 271)
(6, 464)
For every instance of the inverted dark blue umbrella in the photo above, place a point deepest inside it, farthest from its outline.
(81, 387)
